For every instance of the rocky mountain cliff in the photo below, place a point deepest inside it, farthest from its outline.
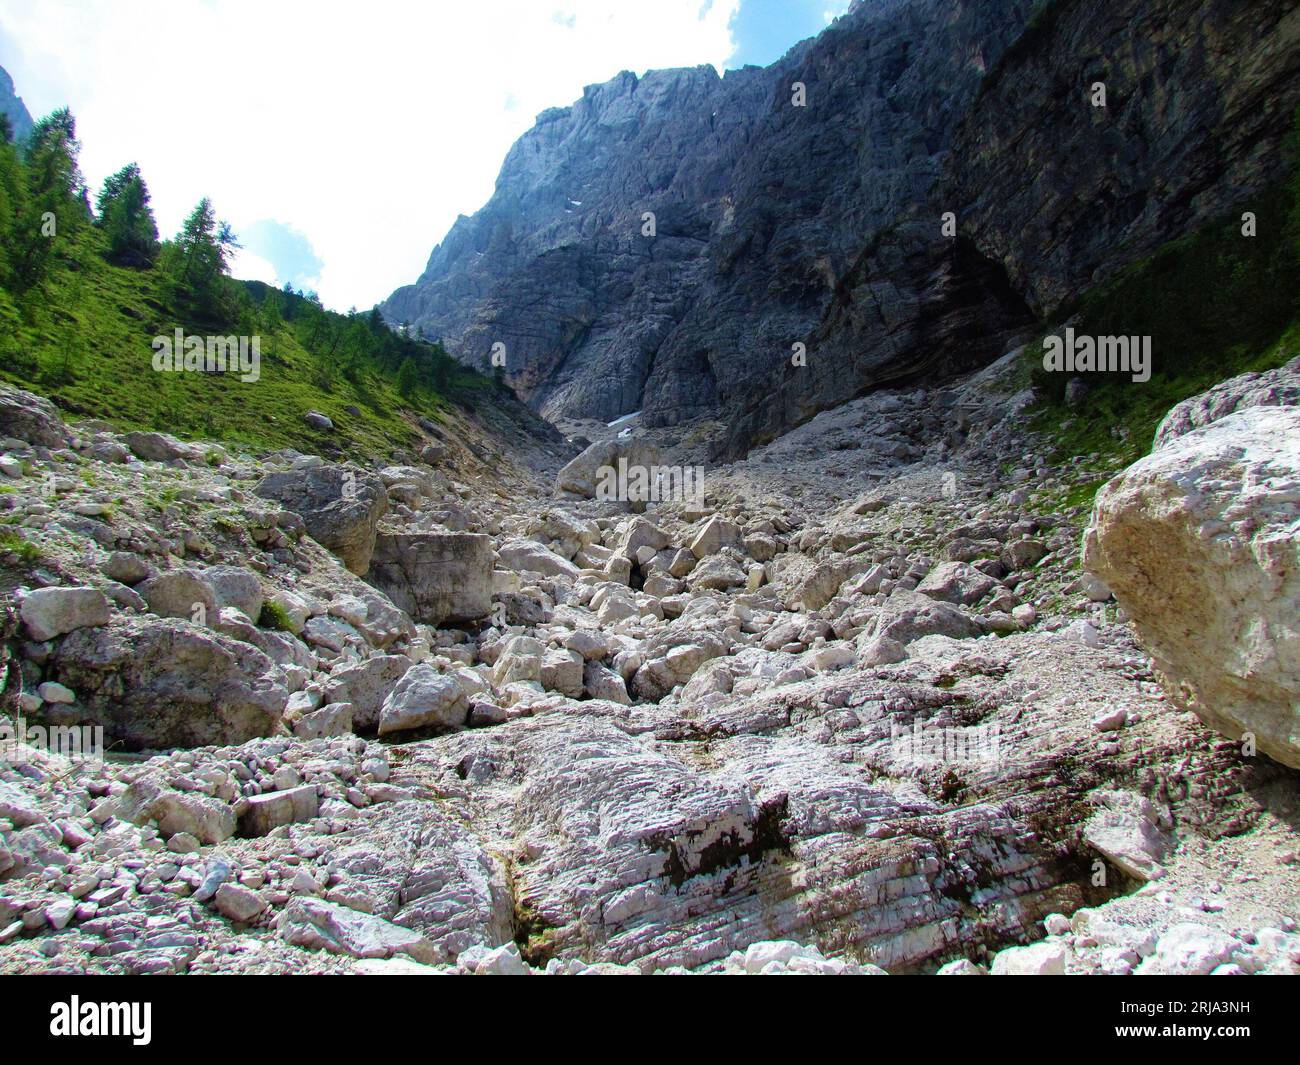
(12, 106)
(777, 224)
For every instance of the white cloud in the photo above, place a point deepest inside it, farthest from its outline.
(369, 128)
(249, 267)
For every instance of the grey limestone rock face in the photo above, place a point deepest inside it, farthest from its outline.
(776, 224)
(435, 577)
(12, 105)
(163, 682)
(340, 507)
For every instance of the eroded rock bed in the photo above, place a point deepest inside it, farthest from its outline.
(452, 718)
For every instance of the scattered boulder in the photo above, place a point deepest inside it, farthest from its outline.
(1190, 949)
(601, 682)
(424, 698)
(956, 582)
(1200, 543)
(269, 811)
(335, 719)
(320, 925)
(235, 586)
(716, 572)
(562, 671)
(158, 447)
(51, 612)
(1037, 959)
(207, 819)
(592, 644)
(435, 577)
(24, 416)
(126, 567)
(238, 903)
(582, 476)
(716, 534)
(639, 533)
(818, 587)
(528, 556)
(340, 506)
(365, 686)
(1124, 830)
(879, 651)
(169, 683)
(180, 593)
(520, 660)
(1022, 553)
(961, 967)
(907, 616)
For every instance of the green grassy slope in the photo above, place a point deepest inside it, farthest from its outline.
(84, 293)
(85, 340)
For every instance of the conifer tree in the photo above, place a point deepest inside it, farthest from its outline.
(127, 219)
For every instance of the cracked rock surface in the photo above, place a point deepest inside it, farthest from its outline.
(915, 736)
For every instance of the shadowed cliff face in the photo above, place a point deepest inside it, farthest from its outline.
(10, 104)
(777, 224)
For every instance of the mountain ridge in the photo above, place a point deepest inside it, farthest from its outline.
(820, 225)
(11, 105)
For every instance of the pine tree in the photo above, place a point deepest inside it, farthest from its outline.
(408, 379)
(12, 195)
(199, 257)
(127, 219)
(54, 199)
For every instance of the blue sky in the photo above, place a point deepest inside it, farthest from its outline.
(341, 147)
(764, 30)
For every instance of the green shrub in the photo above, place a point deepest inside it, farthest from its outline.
(274, 616)
(13, 544)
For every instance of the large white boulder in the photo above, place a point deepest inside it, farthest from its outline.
(1200, 543)
(424, 698)
(583, 475)
(155, 683)
(435, 577)
(50, 612)
(528, 556)
(340, 506)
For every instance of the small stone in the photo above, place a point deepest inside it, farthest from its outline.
(760, 955)
(60, 913)
(304, 883)
(183, 843)
(53, 692)
(961, 967)
(503, 961)
(1056, 924)
(218, 871)
(51, 612)
(270, 811)
(1111, 720)
(1038, 959)
(239, 903)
